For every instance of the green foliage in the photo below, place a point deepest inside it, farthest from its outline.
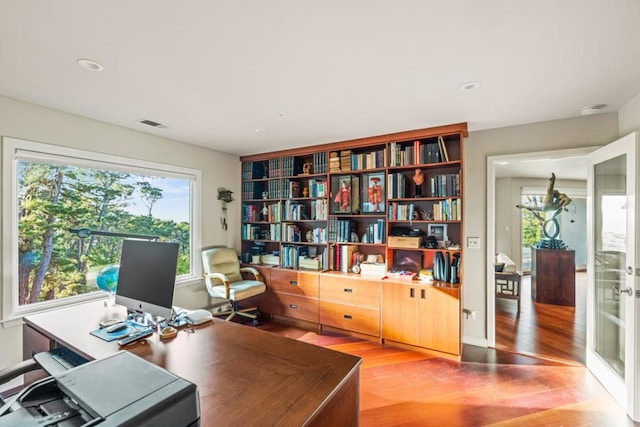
(531, 229)
(53, 198)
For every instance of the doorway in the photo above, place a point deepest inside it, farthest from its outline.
(538, 329)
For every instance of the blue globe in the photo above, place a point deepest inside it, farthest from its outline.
(107, 279)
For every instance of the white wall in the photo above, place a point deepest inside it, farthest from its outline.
(629, 117)
(547, 136)
(27, 121)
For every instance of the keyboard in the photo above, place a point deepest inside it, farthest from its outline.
(58, 360)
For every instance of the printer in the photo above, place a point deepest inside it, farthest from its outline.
(119, 390)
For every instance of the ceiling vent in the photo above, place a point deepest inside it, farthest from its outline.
(151, 123)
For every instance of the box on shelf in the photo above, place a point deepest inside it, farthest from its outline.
(404, 242)
(309, 263)
(373, 269)
(270, 259)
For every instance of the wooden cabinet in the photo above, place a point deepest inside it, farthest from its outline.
(350, 303)
(426, 316)
(294, 294)
(553, 276)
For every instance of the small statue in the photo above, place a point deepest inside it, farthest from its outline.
(305, 192)
(306, 168)
(418, 180)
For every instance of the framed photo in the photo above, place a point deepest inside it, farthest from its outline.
(373, 193)
(440, 233)
(345, 194)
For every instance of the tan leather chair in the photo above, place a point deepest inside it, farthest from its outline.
(223, 278)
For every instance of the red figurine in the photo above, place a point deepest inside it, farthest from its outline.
(375, 194)
(344, 196)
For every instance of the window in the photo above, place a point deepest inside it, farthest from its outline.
(50, 192)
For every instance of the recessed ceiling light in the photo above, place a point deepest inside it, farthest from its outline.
(90, 65)
(470, 85)
(592, 109)
(258, 130)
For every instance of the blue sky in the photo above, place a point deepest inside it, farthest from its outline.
(174, 203)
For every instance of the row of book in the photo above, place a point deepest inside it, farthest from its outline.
(265, 213)
(417, 153)
(446, 185)
(291, 232)
(448, 210)
(293, 256)
(396, 185)
(319, 163)
(341, 257)
(340, 230)
(318, 188)
(257, 232)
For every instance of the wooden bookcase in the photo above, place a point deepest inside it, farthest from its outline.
(294, 203)
(315, 212)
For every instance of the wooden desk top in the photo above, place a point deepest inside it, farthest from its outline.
(245, 376)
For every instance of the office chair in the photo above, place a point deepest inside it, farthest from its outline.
(223, 278)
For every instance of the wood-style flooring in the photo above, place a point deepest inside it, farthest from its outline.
(544, 330)
(488, 387)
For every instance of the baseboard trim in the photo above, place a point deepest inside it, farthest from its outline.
(479, 342)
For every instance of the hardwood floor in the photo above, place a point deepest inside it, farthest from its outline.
(545, 330)
(487, 388)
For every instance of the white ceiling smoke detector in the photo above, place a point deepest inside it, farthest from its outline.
(592, 109)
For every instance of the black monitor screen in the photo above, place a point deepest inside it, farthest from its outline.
(147, 276)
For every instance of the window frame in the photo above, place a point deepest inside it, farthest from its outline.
(14, 149)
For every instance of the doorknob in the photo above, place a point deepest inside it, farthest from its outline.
(630, 271)
(619, 291)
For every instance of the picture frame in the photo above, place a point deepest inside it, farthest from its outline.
(345, 195)
(439, 231)
(373, 193)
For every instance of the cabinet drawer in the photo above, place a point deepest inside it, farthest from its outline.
(294, 282)
(350, 290)
(351, 318)
(294, 306)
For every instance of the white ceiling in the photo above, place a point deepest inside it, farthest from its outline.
(253, 76)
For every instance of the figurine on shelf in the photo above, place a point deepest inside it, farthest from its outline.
(305, 192)
(418, 180)
(306, 168)
(343, 197)
(265, 212)
(375, 194)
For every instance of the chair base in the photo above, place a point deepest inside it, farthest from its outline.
(245, 312)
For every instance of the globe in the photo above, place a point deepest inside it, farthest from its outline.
(107, 279)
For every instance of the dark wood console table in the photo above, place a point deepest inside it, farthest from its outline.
(245, 376)
(553, 276)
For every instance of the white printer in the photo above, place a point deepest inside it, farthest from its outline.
(120, 390)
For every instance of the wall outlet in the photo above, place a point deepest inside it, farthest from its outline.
(473, 242)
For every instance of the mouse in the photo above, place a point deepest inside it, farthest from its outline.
(116, 327)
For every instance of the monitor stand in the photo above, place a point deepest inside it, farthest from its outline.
(139, 318)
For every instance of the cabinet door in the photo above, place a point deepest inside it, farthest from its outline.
(399, 313)
(439, 314)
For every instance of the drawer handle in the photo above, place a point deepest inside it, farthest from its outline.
(422, 293)
(293, 306)
(412, 293)
(347, 290)
(348, 316)
(293, 283)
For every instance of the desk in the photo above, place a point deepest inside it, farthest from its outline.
(245, 376)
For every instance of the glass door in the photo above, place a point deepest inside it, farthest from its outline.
(611, 298)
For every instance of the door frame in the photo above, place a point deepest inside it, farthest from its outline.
(492, 162)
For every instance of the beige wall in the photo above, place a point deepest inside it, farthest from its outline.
(27, 121)
(547, 136)
(629, 117)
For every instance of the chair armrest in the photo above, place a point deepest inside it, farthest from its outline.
(253, 271)
(217, 276)
(17, 370)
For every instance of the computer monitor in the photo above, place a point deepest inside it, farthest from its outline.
(147, 277)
